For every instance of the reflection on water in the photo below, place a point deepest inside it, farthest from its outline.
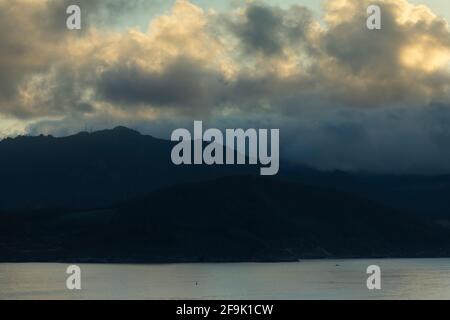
(315, 279)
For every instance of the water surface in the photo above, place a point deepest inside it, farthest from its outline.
(309, 279)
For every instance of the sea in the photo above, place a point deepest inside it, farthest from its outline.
(307, 279)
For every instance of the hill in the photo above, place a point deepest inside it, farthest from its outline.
(106, 167)
(89, 170)
(241, 218)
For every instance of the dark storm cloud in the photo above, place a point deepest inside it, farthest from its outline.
(34, 44)
(345, 62)
(397, 64)
(184, 83)
(269, 30)
(27, 46)
(345, 97)
(362, 50)
(399, 140)
(189, 87)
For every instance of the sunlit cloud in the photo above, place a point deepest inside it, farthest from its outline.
(277, 64)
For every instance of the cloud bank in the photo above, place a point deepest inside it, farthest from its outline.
(344, 96)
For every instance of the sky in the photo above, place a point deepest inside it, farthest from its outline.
(344, 97)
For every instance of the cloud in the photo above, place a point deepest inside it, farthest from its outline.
(27, 47)
(39, 56)
(270, 30)
(398, 140)
(352, 95)
(96, 13)
(388, 66)
(183, 84)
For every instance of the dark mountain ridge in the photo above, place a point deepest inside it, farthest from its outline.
(115, 196)
(92, 169)
(241, 218)
(97, 169)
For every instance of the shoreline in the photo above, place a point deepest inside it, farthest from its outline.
(136, 262)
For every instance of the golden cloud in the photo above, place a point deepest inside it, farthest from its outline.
(255, 56)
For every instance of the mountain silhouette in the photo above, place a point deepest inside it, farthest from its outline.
(92, 169)
(240, 218)
(421, 195)
(102, 168)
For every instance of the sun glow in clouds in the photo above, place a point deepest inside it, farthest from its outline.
(426, 55)
(255, 64)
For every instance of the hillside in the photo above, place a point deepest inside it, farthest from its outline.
(89, 170)
(241, 218)
(103, 168)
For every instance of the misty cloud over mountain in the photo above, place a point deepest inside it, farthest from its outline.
(344, 97)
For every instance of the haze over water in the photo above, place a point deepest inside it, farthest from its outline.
(311, 279)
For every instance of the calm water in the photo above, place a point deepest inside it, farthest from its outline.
(316, 279)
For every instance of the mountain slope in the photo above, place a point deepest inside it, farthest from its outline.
(241, 218)
(425, 196)
(91, 169)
